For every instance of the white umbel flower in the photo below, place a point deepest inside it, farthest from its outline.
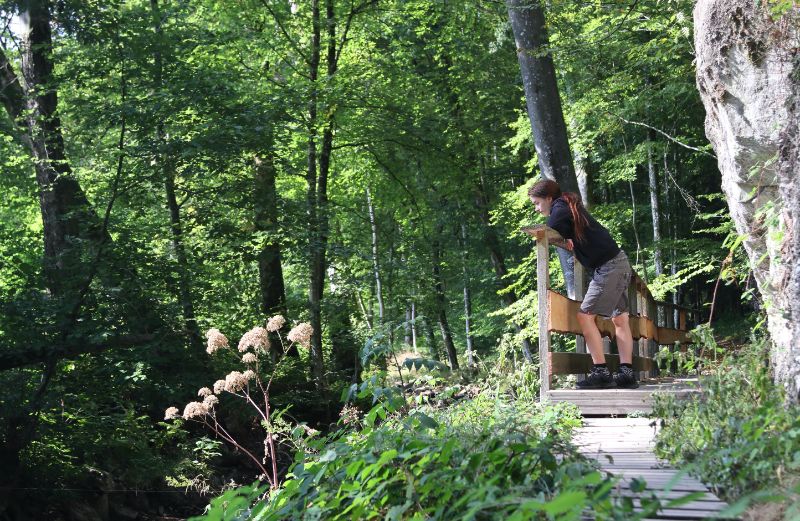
(216, 340)
(257, 338)
(275, 323)
(235, 382)
(301, 334)
(194, 409)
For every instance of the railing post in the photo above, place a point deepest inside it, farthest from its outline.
(580, 292)
(669, 314)
(542, 285)
(682, 326)
(642, 306)
(652, 343)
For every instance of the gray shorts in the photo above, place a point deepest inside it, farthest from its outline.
(607, 294)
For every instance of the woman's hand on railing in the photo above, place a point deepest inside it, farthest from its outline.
(568, 244)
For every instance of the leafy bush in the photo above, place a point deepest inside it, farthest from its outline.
(737, 433)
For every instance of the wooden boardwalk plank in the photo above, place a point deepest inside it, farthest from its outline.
(623, 448)
(622, 401)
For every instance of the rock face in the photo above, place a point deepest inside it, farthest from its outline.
(748, 72)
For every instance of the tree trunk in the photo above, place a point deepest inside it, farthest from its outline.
(544, 106)
(66, 213)
(467, 295)
(316, 256)
(748, 76)
(375, 263)
(655, 211)
(407, 327)
(433, 349)
(168, 171)
(270, 268)
(541, 92)
(441, 300)
(414, 326)
(498, 261)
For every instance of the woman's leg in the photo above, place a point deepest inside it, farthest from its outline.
(624, 338)
(594, 342)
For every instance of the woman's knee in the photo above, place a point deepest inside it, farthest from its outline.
(620, 320)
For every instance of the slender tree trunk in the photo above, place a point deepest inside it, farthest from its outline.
(375, 262)
(655, 211)
(670, 217)
(433, 348)
(316, 257)
(166, 166)
(185, 293)
(467, 295)
(407, 326)
(441, 300)
(498, 261)
(414, 326)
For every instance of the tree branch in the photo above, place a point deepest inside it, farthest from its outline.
(284, 31)
(674, 140)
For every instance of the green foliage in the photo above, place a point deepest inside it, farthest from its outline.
(483, 459)
(396, 470)
(736, 434)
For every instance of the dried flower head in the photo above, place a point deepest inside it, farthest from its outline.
(219, 386)
(309, 430)
(249, 374)
(249, 358)
(216, 340)
(257, 338)
(194, 409)
(301, 334)
(204, 391)
(210, 401)
(275, 323)
(235, 382)
(171, 413)
(350, 414)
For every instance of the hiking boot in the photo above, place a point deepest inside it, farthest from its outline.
(598, 378)
(626, 378)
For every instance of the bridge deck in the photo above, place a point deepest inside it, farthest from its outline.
(624, 448)
(622, 401)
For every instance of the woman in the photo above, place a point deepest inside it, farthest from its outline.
(607, 294)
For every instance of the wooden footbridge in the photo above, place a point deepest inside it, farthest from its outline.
(622, 444)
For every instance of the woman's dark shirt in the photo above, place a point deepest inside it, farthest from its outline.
(597, 246)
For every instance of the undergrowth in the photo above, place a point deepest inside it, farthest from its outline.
(737, 434)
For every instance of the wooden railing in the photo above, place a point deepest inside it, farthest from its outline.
(653, 323)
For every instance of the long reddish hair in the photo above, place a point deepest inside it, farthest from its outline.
(548, 188)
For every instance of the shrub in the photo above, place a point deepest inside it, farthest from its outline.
(737, 434)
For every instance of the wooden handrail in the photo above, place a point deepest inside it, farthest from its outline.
(645, 326)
